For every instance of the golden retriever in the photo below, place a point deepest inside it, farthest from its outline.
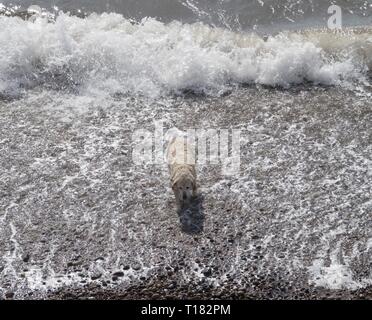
(181, 162)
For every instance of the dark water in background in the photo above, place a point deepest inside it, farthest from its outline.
(234, 14)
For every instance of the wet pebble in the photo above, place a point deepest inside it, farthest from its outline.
(207, 273)
(26, 257)
(96, 276)
(136, 267)
(9, 295)
(118, 274)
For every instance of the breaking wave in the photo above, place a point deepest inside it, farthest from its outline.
(109, 54)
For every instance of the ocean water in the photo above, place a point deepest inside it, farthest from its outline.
(231, 14)
(77, 78)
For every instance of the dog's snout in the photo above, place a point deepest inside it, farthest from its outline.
(184, 196)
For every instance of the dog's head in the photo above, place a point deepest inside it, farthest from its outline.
(184, 189)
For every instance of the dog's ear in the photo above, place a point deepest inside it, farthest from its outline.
(174, 186)
(194, 188)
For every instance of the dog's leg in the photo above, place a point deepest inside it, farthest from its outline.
(178, 201)
(194, 191)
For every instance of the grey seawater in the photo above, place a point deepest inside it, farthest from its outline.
(260, 15)
(79, 219)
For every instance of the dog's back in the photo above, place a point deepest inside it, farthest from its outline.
(180, 152)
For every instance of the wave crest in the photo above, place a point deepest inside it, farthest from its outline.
(109, 53)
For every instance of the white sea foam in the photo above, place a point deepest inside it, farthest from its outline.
(335, 276)
(108, 53)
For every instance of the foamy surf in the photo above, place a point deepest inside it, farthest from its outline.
(109, 54)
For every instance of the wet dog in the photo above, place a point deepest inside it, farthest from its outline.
(181, 162)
